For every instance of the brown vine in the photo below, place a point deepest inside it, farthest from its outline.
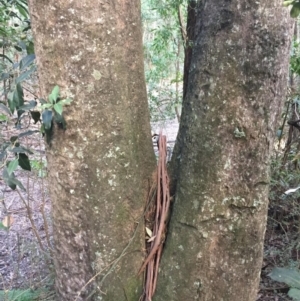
(156, 218)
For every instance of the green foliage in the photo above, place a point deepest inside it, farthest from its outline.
(40, 166)
(164, 54)
(2, 227)
(8, 150)
(52, 111)
(295, 58)
(18, 70)
(284, 209)
(22, 295)
(18, 57)
(290, 277)
(295, 11)
(17, 66)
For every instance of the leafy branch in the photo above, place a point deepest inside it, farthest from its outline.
(52, 111)
(295, 11)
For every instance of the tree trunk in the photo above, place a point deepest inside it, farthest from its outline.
(101, 165)
(220, 168)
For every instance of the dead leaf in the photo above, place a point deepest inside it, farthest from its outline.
(151, 239)
(149, 232)
(7, 221)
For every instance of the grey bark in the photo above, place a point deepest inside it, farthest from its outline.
(99, 168)
(220, 169)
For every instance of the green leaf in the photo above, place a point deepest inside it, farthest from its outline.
(289, 2)
(294, 293)
(18, 96)
(288, 276)
(12, 166)
(11, 102)
(30, 48)
(30, 105)
(24, 161)
(48, 134)
(47, 119)
(23, 295)
(3, 154)
(25, 75)
(20, 112)
(22, 45)
(30, 132)
(60, 120)
(4, 76)
(279, 133)
(24, 30)
(18, 48)
(2, 227)
(11, 180)
(22, 10)
(16, 182)
(6, 57)
(21, 149)
(66, 101)
(58, 108)
(47, 105)
(54, 94)
(8, 179)
(3, 117)
(36, 116)
(5, 108)
(42, 101)
(26, 61)
(13, 139)
(295, 11)
(42, 129)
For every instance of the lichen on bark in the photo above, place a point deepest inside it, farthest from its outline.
(220, 168)
(100, 167)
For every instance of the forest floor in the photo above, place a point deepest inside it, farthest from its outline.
(25, 249)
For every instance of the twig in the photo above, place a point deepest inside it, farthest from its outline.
(36, 96)
(182, 30)
(42, 208)
(123, 253)
(31, 221)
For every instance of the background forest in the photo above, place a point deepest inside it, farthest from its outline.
(26, 271)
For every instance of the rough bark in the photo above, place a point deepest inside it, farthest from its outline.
(190, 28)
(220, 169)
(100, 166)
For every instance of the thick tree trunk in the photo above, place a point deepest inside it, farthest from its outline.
(100, 166)
(220, 169)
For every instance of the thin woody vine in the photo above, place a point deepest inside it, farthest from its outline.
(50, 114)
